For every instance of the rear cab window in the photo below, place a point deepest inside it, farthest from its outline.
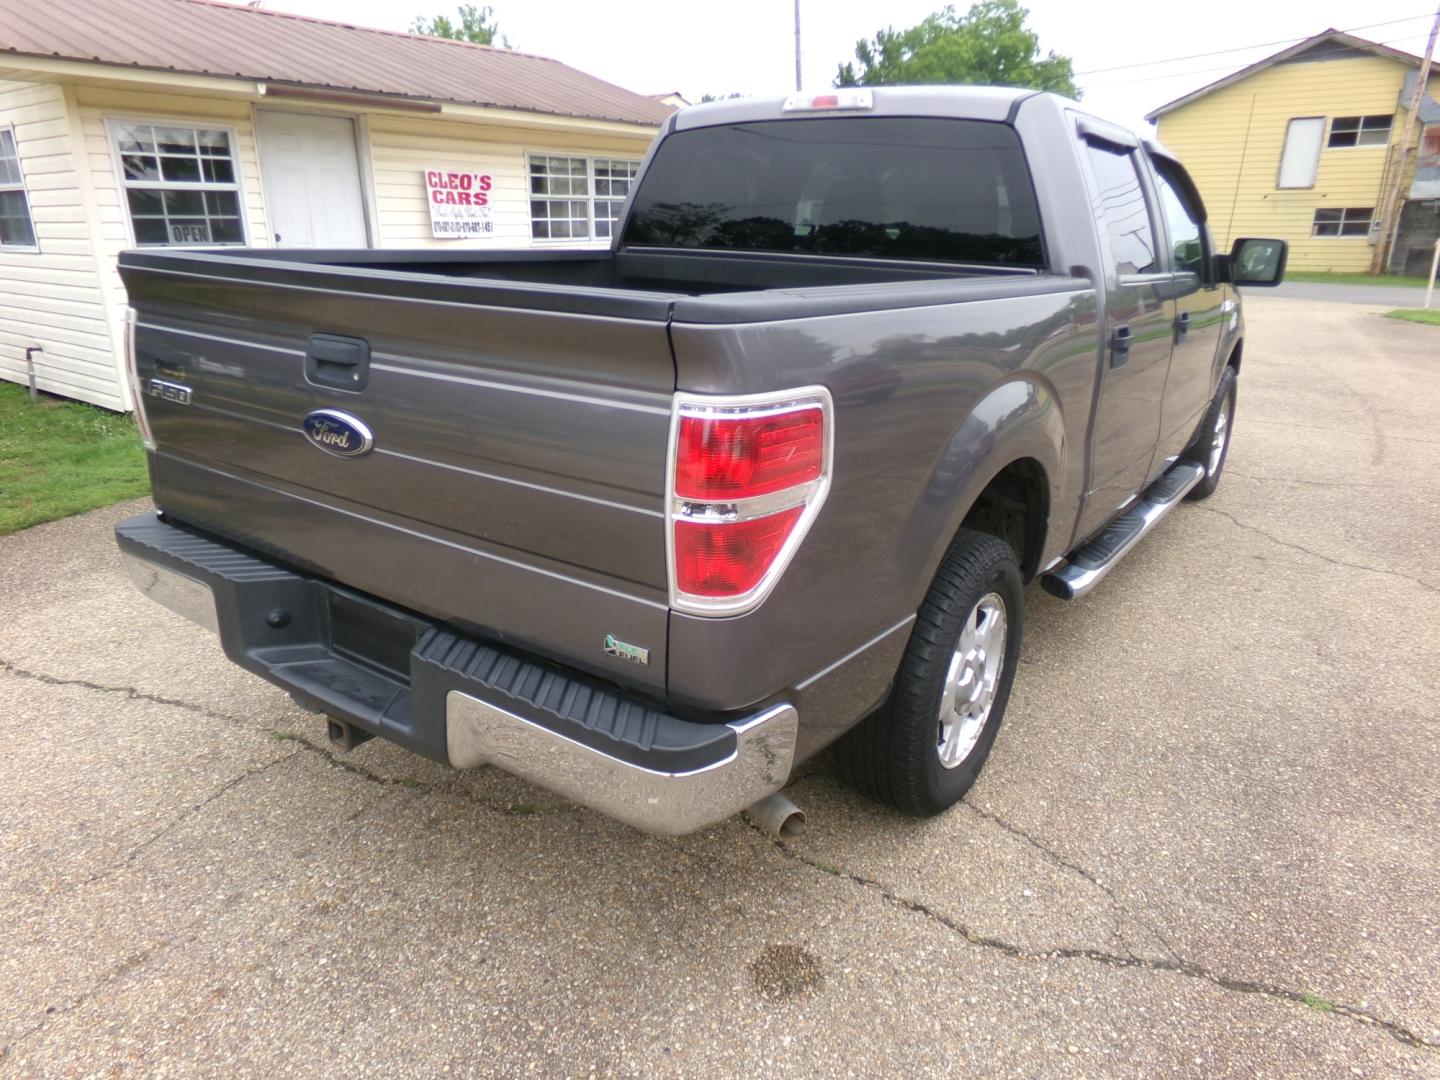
(933, 190)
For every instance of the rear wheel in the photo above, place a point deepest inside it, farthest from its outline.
(925, 748)
(1212, 444)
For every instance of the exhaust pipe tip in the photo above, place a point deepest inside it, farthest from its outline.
(778, 816)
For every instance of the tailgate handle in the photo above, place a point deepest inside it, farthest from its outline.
(340, 362)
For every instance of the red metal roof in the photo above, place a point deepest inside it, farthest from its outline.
(208, 37)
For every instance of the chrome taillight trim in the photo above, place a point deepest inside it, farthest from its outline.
(810, 494)
(132, 375)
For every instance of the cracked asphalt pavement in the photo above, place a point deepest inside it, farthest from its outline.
(1207, 844)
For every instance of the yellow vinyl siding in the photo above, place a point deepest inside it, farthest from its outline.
(53, 298)
(1232, 138)
(402, 147)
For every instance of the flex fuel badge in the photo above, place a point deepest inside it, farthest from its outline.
(632, 654)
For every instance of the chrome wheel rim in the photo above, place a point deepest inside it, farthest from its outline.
(1218, 437)
(971, 681)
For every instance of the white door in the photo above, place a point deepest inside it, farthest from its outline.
(312, 180)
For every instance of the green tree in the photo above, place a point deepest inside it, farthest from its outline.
(989, 45)
(476, 24)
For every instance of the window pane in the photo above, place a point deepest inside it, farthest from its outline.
(175, 140)
(560, 230)
(178, 203)
(226, 231)
(224, 203)
(9, 158)
(144, 202)
(16, 227)
(180, 170)
(1185, 238)
(1121, 206)
(213, 143)
(189, 231)
(540, 230)
(219, 171)
(140, 168)
(150, 231)
(1328, 215)
(135, 139)
(1301, 155)
(895, 187)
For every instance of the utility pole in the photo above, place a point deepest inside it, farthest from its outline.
(797, 44)
(1390, 211)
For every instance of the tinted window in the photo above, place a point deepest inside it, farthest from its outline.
(1185, 242)
(1120, 206)
(952, 190)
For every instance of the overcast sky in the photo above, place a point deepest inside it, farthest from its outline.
(725, 46)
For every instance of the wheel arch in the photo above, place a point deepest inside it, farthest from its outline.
(1001, 473)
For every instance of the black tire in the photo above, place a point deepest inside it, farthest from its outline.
(894, 755)
(1204, 445)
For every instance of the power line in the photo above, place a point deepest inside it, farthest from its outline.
(1211, 70)
(1242, 48)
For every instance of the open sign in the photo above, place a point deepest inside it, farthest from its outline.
(190, 232)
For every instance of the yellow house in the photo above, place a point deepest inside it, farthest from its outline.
(1303, 145)
(197, 122)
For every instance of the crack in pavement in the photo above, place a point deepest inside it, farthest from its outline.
(130, 693)
(1315, 554)
(1175, 966)
(1118, 907)
(189, 812)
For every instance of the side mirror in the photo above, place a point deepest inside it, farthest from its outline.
(1254, 261)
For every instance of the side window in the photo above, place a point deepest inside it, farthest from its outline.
(1120, 208)
(1187, 244)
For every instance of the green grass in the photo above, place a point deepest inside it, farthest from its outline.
(1316, 1002)
(1325, 277)
(1429, 316)
(59, 458)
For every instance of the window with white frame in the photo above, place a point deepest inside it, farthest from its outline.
(1360, 131)
(577, 198)
(181, 184)
(17, 228)
(613, 178)
(1347, 221)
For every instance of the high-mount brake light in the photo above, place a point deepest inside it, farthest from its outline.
(746, 478)
(840, 99)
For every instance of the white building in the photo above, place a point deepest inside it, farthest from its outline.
(194, 122)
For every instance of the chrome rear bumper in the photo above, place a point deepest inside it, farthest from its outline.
(668, 803)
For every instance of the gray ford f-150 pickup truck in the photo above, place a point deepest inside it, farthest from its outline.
(649, 526)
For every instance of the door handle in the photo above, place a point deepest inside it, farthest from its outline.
(1120, 339)
(1182, 326)
(341, 362)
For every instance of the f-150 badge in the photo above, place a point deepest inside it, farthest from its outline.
(338, 433)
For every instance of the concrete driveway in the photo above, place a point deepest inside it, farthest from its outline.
(1208, 843)
(1384, 296)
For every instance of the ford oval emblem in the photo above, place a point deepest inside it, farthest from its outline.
(338, 433)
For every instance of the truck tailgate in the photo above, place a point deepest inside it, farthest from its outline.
(514, 488)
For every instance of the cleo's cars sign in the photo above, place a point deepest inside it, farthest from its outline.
(459, 204)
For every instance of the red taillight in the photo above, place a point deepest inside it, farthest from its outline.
(749, 475)
(729, 558)
(736, 457)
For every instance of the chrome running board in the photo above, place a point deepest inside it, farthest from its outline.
(1087, 565)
